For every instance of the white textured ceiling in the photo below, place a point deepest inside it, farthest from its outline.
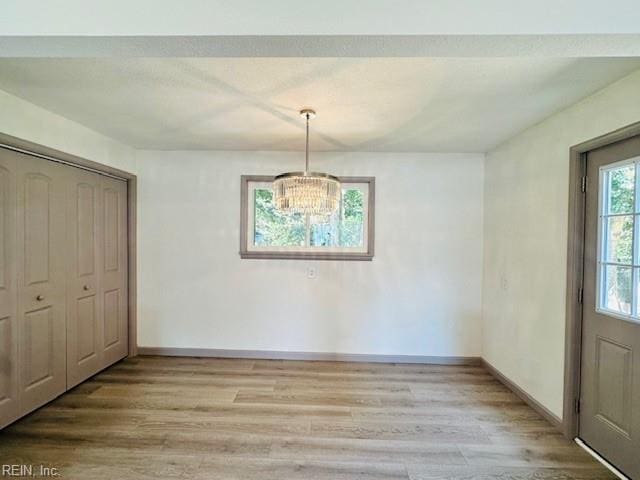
(328, 17)
(365, 104)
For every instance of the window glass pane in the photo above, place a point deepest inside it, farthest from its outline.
(617, 288)
(273, 228)
(345, 228)
(619, 239)
(325, 231)
(352, 227)
(636, 286)
(620, 185)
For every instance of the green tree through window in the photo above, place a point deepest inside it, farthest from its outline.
(621, 199)
(273, 228)
(345, 228)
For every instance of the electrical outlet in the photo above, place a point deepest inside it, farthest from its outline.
(312, 273)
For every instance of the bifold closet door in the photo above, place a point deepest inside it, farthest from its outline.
(41, 259)
(114, 271)
(97, 295)
(84, 302)
(63, 279)
(9, 407)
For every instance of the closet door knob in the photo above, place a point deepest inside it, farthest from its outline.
(85, 288)
(40, 298)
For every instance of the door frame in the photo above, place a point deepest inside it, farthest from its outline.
(575, 262)
(50, 154)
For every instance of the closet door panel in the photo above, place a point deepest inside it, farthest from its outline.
(84, 307)
(41, 280)
(9, 407)
(38, 344)
(114, 270)
(112, 303)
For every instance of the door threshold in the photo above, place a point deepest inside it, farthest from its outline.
(597, 456)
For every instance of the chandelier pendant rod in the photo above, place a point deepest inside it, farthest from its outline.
(306, 158)
(308, 193)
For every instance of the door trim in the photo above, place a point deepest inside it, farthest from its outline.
(41, 151)
(575, 261)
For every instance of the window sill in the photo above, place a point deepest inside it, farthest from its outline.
(367, 257)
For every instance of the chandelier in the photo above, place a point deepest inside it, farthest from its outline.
(308, 193)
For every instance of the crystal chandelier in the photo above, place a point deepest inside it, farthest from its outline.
(308, 193)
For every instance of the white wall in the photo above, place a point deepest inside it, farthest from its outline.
(421, 295)
(525, 243)
(27, 121)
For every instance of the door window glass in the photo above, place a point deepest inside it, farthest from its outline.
(618, 236)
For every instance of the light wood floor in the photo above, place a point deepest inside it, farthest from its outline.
(153, 417)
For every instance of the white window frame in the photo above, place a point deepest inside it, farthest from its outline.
(249, 183)
(602, 261)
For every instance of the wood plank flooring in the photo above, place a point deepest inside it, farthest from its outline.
(156, 417)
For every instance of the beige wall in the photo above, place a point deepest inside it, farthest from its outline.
(525, 239)
(419, 296)
(29, 122)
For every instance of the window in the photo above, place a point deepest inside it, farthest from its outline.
(619, 239)
(346, 235)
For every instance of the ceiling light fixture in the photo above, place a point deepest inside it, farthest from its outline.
(308, 193)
